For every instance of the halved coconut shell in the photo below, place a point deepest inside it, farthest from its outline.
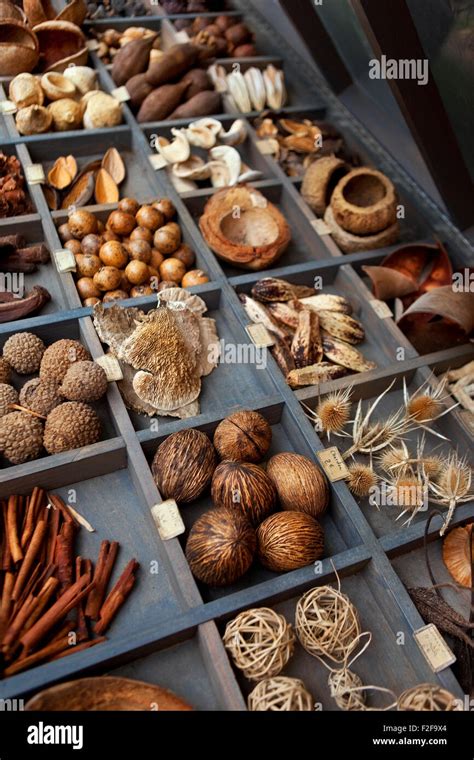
(38, 11)
(106, 693)
(19, 48)
(319, 181)
(60, 43)
(75, 12)
(364, 202)
(252, 239)
(410, 260)
(457, 555)
(9, 10)
(388, 283)
(441, 273)
(350, 243)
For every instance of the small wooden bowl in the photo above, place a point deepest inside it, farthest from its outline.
(105, 693)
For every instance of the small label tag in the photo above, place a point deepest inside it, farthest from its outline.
(434, 648)
(333, 464)
(267, 147)
(381, 309)
(321, 227)
(168, 519)
(157, 161)
(93, 44)
(259, 335)
(35, 174)
(64, 260)
(121, 94)
(7, 106)
(111, 366)
(181, 36)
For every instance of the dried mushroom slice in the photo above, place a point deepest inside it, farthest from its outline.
(115, 324)
(209, 357)
(180, 295)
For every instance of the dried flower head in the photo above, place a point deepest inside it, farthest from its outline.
(394, 458)
(361, 480)
(334, 410)
(453, 486)
(427, 404)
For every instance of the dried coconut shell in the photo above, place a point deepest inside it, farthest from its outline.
(456, 307)
(106, 190)
(350, 243)
(75, 12)
(38, 11)
(457, 554)
(9, 10)
(319, 180)
(19, 48)
(60, 43)
(254, 240)
(388, 283)
(364, 202)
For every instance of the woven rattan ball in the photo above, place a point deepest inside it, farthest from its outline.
(260, 642)
(340, 684)
(428, 697)
(327, 623)
(280, 694)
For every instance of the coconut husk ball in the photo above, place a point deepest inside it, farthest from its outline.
(40, 396)
(24, 352)
(8, 396)
(5, 371)
(59, 356)
(243, 437)
(21, 437)
(220, 547)
(300, 484)
(289, 540)
(245, 487)
(84, 381)
(183, 465)
(70, 426)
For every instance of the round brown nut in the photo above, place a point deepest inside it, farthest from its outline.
(244, 436)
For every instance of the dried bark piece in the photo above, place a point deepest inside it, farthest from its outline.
(314, 374)
(457, 307)
(306, 347)
(389, 283)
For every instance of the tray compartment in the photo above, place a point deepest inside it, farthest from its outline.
(340, 532)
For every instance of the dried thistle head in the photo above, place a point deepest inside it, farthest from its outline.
(334, 410)
(431, 465)
(394, 458)
(408, 491)
(453, 486)
(361, 480)
(427, 403)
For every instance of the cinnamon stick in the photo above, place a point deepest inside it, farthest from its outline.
(30, 556)
(8, 584)
(54, 525)
(83, 566)
(58, 503)
(66, 602)
(47, 652)
(81, 647)
(12, 528)
(103, 571)
(64, 555)
(34, 502)
(117, 597)
(49, 589)
(5, 559)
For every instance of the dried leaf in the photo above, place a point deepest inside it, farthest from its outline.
(106, 190)
(410, 260)
(114, 165)
(81, 192)
(389, 283)
(59, 175)
(441, 271)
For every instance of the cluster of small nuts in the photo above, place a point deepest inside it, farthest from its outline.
(111, 41)
(137, 252)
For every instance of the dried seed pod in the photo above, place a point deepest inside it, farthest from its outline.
(106, 190)
(102, 110)
(220, 547)
(244, 436)
(183, 465)
(289, 540)
(300, 484)
(66, 113)
(25, 90)
(33, 120)
(56, 86)
(245, 487)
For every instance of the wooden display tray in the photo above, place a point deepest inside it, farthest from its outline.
(170, 630)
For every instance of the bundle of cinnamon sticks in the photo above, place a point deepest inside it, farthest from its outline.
(52, 602)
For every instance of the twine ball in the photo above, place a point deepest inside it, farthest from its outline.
(260, 642)
(428, 697)
(327, 623)
(280, 694)
(340, 682)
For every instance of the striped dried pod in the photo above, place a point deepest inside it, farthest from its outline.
(245, 487)
(220, 547)
(300, 484)
(183, 465)
(289, 540)
(361, 479)
(243, 437)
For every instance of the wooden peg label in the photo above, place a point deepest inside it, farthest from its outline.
(121, 94)
(333, 464)
(259, 335)
(168, 519)
(34, 174)
(111, 366)
(434, 648)
(64, 260)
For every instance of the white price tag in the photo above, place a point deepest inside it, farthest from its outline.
(333, 464)
(434, 648)
(7, 106)
(35, 174)
(121, 94)
(259, 335)
(111, 366)
(64, 260)
(168, 519)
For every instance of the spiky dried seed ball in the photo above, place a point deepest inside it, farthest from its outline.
(183, 465)
(41, 396)
(220, 547)
(243, 437)
(8, 395)
(70, 426)
(84, 381)
(300, 484)
(24, 352)
(245, 487)
(5, 371)
(59, 356)
(289, 540)
(21, 437)
(361, 479)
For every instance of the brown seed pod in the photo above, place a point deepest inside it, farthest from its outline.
(87, 289)
(121, 223)
(91, 244)
(74, 246)
(220, 547)
(172, 269)
(300, 484)
(87, 265)
(243, 437)
(245, 487)
(194, 277)
(183, 465)
(82, 223)
(167, 238)
(149, 217)
(142, 233)
(129, 206)
(115, 295)
(107, 278)
(137, 272)
(64, 232)
(185, 254)
(289, 540)
(113, 254)
(139, 250)
(166, 207)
